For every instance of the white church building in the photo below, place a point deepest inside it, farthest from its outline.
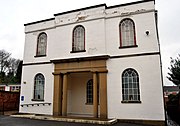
(100, 62)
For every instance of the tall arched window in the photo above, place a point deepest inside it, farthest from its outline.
(89, 92)
(39, 82)
(130, 86)
(127, 33)
(78, 44)
(41, 44)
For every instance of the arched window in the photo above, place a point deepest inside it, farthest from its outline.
(39, 82)
(89, 92)
(41, 44)
(78, 44)
(130, 85)
(127, 33)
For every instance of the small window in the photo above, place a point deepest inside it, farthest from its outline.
(41, 44)
(39, 82)
(13, 88)
(89, 92)
(130, 86)
(78, 44)
(2, 88)
(127, 33)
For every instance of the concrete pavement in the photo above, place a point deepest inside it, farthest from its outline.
(14, 121)
(67, 119)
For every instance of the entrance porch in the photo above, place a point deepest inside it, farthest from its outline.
(70, 87)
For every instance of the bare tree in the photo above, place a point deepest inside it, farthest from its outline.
(12, 65)
(4, 56)
(8, 67)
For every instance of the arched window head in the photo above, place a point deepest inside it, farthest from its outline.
(78, 44)
(39, 82)
(130, 86)
(127, 33)
(41, 44)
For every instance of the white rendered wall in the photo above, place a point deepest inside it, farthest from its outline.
(130, 9)
(59, 42)
(27, 89)
(150, 84)
(145, 43)
(101, 32)
(94, 40)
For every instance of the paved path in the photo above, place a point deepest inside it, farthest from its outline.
(11, 121)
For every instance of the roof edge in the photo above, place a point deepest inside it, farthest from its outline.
(85, 8)
(39, 21)
(131, 3)
(90, 7)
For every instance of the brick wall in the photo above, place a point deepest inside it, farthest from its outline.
(9, 100)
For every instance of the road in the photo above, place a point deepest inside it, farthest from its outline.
(12, 121)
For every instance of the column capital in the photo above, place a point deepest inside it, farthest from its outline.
(99, 71)
(103, 71)
(64, 73)
(56, 73)
(93, 71)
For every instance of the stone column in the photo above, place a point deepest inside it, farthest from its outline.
(64, 100)
(103, 94)
(57, 100)
(95, 98)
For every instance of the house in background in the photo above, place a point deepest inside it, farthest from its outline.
(10, 87)
(170, 90)
(100, 62)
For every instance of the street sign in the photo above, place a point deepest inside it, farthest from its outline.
(22, 98)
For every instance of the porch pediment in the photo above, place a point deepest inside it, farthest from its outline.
(96, 63)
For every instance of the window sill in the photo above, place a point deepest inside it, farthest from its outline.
(122, 47)
(78, 51)
(88, 103)
(40, 56)
(40, 100)
(130, 101)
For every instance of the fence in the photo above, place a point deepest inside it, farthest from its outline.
(9, 101)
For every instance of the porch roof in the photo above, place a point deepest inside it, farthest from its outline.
(103, 57)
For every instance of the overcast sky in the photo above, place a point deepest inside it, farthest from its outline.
(15, 13)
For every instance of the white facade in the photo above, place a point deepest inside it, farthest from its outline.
(102, 37)
(151, 94)
(27, 87)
